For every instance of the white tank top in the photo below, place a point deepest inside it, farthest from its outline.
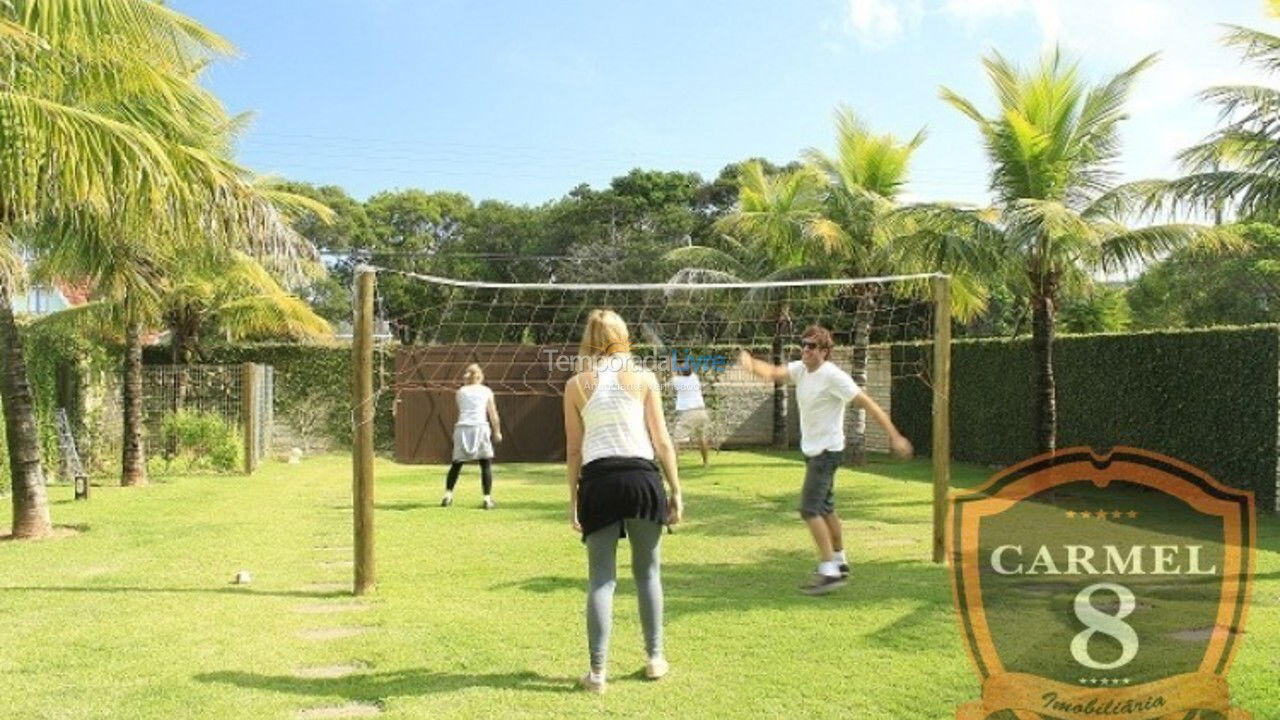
(613, 421)
(473, 404)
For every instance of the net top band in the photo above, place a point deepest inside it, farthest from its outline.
(652, 286)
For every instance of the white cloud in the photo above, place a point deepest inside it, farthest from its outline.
(878, 23)
(977, 10)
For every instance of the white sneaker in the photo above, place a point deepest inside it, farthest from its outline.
(592, 685)
(656, 667)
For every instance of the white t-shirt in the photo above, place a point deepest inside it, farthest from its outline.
(821, 396)
(688, 392)
(473, 404)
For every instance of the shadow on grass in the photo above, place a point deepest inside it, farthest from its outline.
(772, 583)
(373, 687)
(728, 514)
(404, 506)
(178, 590)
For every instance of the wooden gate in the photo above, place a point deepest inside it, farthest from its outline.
(527, 383)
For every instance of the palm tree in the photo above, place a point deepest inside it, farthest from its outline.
(96, 99)
(864, 179)
(237, 297)
(1237, 168)
(61, 160)
(776, 227)
(240, 299)
(1058, 217)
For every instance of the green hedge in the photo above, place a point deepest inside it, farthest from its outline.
(60, 367)
(1208, 397)
(311, 381)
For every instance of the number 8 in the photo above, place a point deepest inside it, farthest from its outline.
(1096, 621)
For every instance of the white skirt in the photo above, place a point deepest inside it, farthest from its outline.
(472, 442)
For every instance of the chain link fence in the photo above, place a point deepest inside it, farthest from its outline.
(237, 394)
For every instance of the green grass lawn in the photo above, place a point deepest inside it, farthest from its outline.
(479, 614)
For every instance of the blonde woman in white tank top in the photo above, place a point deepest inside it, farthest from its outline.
(477, 428)
(614, 431)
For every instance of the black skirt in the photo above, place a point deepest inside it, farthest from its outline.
(619, 488)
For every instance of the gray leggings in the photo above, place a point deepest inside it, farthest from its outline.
(602, 578)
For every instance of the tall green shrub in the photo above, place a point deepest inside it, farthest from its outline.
(1207, 397)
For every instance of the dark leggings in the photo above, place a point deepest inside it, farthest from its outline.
(486, 475)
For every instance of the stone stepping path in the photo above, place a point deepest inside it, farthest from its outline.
(350, 710)
(335, 633)
(328, 545)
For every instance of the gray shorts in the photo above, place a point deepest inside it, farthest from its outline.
(817, 497)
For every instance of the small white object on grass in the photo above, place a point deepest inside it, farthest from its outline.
(295, 456)
(242, 578)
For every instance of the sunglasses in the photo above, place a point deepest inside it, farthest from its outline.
(808, 345)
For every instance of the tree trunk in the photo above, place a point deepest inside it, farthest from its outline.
(1042, 308)
(30, 503)
(134, 457)
(180, 355)
(857, 440)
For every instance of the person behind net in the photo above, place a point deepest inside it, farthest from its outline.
(472, 437)
(822, 392)
(692, 421)
(614, 429)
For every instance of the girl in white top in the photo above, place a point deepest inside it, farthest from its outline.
(473, 435)
(614, 430)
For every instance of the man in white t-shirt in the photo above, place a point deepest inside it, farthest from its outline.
(822, 392)
(692, 420)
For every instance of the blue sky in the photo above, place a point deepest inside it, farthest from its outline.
(521, 101)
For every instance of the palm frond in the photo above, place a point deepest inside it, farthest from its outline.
(958, 102)
(1244, 105)
(13, 272)
(1259, 47)
(1096, 135)
(171, 37)
(292, 204)
(43, 136)
(1129, 200)
(1128, 248)
(1251, 194)
(702, 275)
(700, 257)
(98, 320)
(271, 316)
